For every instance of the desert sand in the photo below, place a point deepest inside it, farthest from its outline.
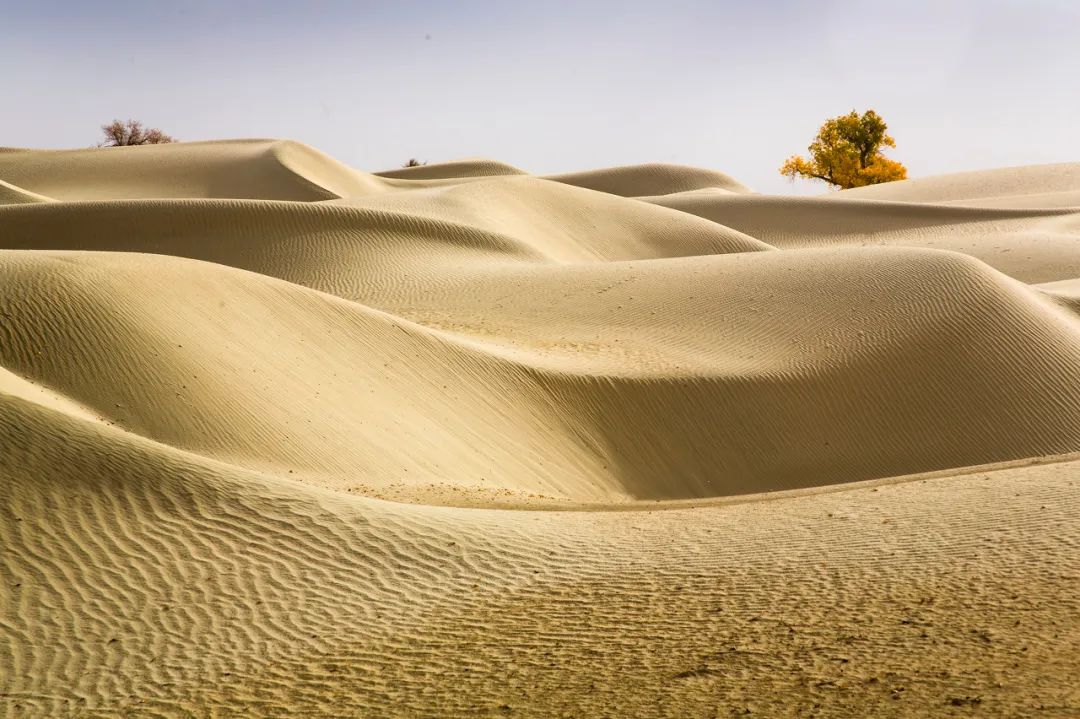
(279, 437)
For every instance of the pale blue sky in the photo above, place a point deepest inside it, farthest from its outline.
(556, 86)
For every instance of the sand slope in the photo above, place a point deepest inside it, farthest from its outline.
(12, 195)
(1036, 186)
(1032, 245)
(651, 179)
(218, 360)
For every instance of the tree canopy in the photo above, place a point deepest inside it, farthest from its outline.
(132, 132)
(847, 153)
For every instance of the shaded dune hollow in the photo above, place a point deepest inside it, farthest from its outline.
(469, 334)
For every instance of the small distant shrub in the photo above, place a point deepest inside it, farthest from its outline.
(132, 132)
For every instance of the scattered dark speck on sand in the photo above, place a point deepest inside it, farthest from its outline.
(964, 701)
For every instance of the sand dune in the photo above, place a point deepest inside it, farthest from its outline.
(218, 361)
(264, 169)
(1032, 245)
(1030, 187)
(453, 170)
(652, 179)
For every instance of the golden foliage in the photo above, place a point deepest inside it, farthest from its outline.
(847, 153)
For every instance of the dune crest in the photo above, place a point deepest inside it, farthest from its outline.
(454, 170)
(650, 179)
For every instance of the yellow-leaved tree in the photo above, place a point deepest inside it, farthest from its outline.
(847, 153)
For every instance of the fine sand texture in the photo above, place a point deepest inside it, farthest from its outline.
(279, 437)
